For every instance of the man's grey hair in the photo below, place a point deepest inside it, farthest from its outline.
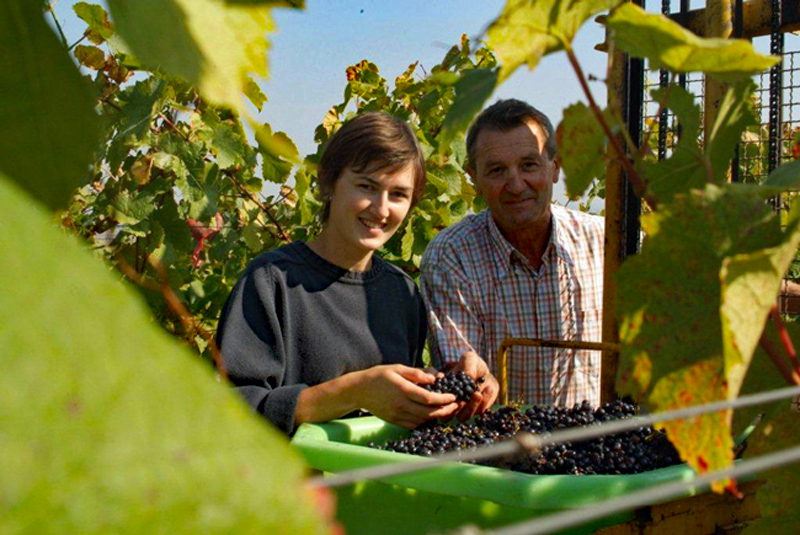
(505, 115)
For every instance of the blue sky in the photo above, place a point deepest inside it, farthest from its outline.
(312, 48)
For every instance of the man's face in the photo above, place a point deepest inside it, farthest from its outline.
(515, 176)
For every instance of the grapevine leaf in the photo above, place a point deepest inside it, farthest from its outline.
(526, 31)
(225, 142)
(734, 115)
(691, 166)
(48, 128)
(473, 89)
(253, 92)
(90, 56)
(733, 246)
(667, 45)
(407, 244)
(777, 431)
(581, 144)
(686, 167)
(140, 103)
(786, 176)
(210, 44)
(100, 29)
(297, 4)
(130, 415)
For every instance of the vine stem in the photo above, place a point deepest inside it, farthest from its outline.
(58, 25)
(784, 335)
(264, 208)
(189, 322)
(789, 375)
(640, 188)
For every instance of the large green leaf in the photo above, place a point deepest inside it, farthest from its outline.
(210, 44)
(473, 89)
(778, 430)
(48, 129)
(693, 304)
(582, 148)
(526, 30)
(109, 425)
(667, 45)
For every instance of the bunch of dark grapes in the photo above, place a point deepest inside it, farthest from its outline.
(631, 452)
(457, 383)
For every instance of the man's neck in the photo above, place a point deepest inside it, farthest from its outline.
(531, 241)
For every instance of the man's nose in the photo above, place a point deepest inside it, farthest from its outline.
(515, 183)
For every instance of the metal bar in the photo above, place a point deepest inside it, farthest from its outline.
(738, 28)
(775, 98)
(756, 19)
(623, 207)
(502, 355)
(530, 442)
(663, 81)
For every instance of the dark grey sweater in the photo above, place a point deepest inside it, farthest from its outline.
(294, 320)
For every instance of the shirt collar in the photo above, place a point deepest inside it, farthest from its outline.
(508, 254)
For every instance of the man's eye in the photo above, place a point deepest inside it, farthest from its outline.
(530, 166)
(366, 186)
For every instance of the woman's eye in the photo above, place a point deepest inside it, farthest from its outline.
(366, 186)
(400, 195)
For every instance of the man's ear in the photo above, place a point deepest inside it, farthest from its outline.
(557, 169)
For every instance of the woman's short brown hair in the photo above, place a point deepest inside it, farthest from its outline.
(371, 141)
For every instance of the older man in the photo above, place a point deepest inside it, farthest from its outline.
(522, 268)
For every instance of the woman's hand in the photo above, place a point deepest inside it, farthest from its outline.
(488, 387)
(392, 393)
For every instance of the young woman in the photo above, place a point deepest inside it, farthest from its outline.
(313, 331)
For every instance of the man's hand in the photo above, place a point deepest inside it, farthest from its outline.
(488, 388)
(392, 393)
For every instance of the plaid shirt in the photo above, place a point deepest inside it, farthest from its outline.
(480, 290)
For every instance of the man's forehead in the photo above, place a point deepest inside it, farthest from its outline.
(529, 137)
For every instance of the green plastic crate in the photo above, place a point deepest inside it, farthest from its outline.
(449, 496)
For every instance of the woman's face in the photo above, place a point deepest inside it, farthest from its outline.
(367, 208)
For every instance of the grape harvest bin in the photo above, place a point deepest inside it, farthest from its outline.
(450, 496)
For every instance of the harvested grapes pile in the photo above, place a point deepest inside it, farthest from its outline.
(631, 452)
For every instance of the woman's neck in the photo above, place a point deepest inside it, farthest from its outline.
(340, 255)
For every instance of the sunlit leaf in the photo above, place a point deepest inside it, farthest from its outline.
(100, 28)
(132, 433)
(526, 30)
(253, 92)
(581, 146)
(668, 45)
(681, 331)
(212, 45)
(90, 56)
(48, 127)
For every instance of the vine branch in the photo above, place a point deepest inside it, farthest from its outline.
(264, 208)
(189, 322)
(636, 180)
(58, 25)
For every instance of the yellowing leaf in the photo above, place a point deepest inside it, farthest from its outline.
(581, 145)
(90, 56)
(526, 30)
(210, 44)
(693, 304)
(667, 45)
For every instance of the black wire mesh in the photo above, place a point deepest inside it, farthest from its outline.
(778, 116)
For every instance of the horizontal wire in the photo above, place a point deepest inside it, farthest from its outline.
(641, 498)
(533, 443)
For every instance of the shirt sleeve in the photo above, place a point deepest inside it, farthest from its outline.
(454, 326)
(250, 337)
